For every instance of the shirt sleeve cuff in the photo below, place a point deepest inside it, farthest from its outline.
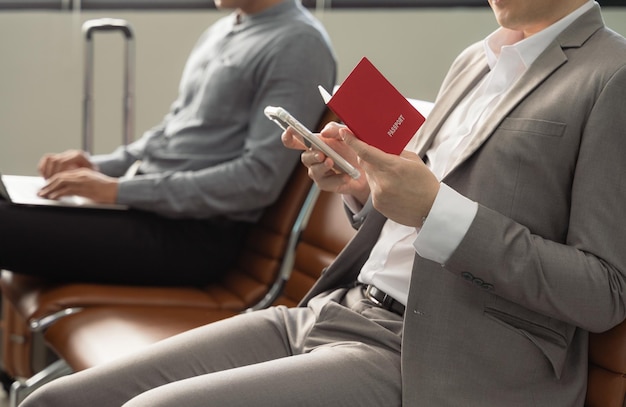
(447, 223)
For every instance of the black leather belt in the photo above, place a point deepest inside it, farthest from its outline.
(383, 300)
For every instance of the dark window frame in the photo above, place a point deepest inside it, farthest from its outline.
(66, 5)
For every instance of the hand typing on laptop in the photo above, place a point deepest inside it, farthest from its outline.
(54, 163)
(84, 182)
(72, 173)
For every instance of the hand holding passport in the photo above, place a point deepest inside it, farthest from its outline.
(374, 110)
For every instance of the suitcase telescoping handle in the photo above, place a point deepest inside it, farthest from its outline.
(108, 25)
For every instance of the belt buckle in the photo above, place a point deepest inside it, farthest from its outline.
(384, 303)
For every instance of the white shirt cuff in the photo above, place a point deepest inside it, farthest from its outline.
(447, 223)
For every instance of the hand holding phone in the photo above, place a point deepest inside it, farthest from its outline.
(284, 119)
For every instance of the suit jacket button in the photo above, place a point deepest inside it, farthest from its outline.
(487, 286)
(478, 282)
(467, 276)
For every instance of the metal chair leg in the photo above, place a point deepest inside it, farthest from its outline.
(20, 389)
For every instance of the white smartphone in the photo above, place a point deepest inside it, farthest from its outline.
(284, 119)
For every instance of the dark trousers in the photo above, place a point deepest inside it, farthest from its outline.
(117, 247)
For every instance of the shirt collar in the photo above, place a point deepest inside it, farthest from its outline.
(529, 48)
(271, 12)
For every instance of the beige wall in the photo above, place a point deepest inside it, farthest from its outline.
(41, 67)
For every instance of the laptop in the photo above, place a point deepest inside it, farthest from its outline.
(22, 190)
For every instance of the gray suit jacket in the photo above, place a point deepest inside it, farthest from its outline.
(505, 321)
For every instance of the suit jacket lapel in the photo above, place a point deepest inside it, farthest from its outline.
(447, 102)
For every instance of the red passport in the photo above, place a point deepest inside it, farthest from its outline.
(374, 110)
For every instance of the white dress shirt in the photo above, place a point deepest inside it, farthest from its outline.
(390, 263)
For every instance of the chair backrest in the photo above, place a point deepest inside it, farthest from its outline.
(264, 250)
(327, 232)
(606, 383)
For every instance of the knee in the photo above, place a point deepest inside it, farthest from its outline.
(50, 395)
(42, 397)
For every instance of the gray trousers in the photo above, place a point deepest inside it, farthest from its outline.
(339, 351)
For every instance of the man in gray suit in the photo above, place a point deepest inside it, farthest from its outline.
(482, 261)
